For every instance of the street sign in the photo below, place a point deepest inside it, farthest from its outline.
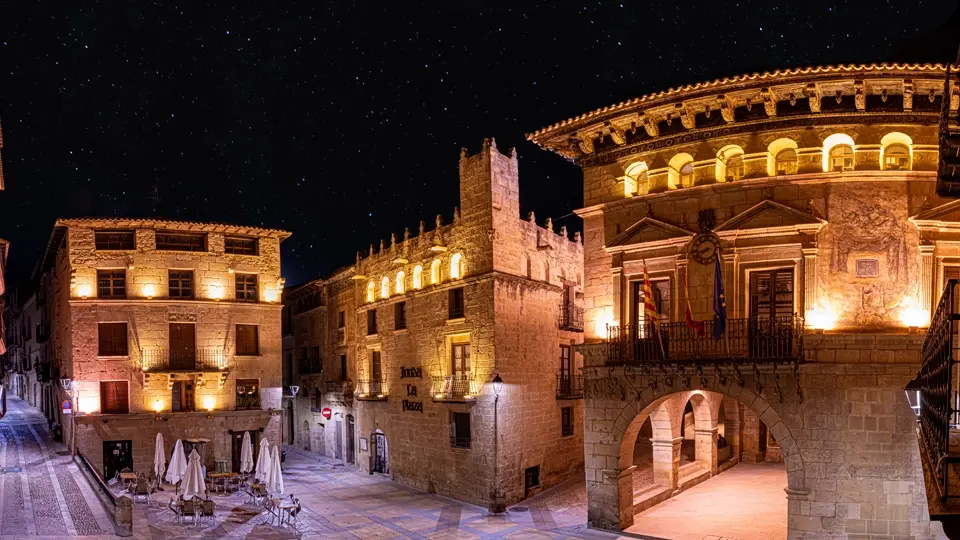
(326, 412)
(67, 407)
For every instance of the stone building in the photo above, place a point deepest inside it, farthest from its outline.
(164, 326)
(5, 313)
(396, 355)
(812, 191)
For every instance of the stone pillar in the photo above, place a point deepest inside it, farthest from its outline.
(619, 312)
(730, 284)
(666, 462)
(732, 435)
(926, 278)
(681, 293)
(706, 442)
(751, 437)
(610, 500)
(809, 279)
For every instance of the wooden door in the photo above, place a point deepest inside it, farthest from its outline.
(338, 434)
(350, 443)
(117, 455)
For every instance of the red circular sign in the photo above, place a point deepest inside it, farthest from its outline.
(326, 412)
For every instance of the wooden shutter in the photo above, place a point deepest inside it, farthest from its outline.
(114, 397)
(247, 340)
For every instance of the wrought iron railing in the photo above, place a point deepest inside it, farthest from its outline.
(569, 385)
(460, 441)
(752, 340)
(182, 359)
(461, 387)
(570, 317)
(936, 373)
(308, 366)
(371, 389)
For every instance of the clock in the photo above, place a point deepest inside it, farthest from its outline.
(705, 248)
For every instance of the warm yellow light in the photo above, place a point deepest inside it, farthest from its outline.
(270, 295)
(606, 319)
(149, 290)
(914, 317)
(209, 402)
(216, 292)
(468, 396)
(455, 270)
(821, 318)
(158, 405)
(380, 395)
(438, 396)
(88, 404)
(83, 290)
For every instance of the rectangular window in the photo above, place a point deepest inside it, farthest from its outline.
(114, 240)
(238, 245)
(183, 346)
(662, 295)
(114, 397)
(376, 367)
(343, 367)
(771, 293)
(181, 398)
(531, 477)
(317, 404)
(342, 319)
(455, 303)
(400, 315)
(111, 283)
(460, 430)
(566, 421)
(246, 287)
(248, 394)
(181, 284)
(112, 339)
(460, 353)
(169, 241)
(248, 340)
(371, 322)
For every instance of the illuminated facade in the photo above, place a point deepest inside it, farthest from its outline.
(815, 190)
(164, 326)
(402, 349)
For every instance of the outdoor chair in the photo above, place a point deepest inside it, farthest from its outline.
(187, 509)
(294, 518)
(142, 490)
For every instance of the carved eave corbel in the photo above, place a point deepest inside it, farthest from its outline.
(908, 95)
(583, 142)
(813, 95)
(617, 135)
(726, 108)
(955, 97)
(649, 124)
(686, 116)
(769, 101)
(860, 95)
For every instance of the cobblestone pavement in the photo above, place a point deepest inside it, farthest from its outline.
(48, 496)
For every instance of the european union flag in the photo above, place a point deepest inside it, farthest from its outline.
(719, 302)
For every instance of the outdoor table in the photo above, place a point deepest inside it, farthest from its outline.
(283, 506)
(128, 478)
(222, 478)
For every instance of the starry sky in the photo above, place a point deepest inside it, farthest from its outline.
(342, 121)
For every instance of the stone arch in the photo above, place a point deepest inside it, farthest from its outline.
(729, 163)
(677, 170)
(635, 181)
(833, 141)
(896, 140)
(782, 157)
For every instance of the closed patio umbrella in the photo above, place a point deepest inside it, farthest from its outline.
(178, 464)
(263, 461)
(246, 454)
(193, 484)
(275, 475)
(159, 458)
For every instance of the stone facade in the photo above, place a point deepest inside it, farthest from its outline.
(817, 186)
(491, 281)
(173, 348)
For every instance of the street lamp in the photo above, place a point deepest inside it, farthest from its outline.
(496, 507)
(294, 389)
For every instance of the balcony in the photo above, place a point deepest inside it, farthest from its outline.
(569, 386)
(372, 390)
(309, 366)
(745, 341)
(182, 359)
(460, 441)
(455, 388)
(570, 318)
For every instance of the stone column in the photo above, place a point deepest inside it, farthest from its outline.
(666, 462)
(706, 442)
(809, 279)
(619, 313)
(751, 437)
(610, 498)
(926, 278)
(731, 432)
(730, 284)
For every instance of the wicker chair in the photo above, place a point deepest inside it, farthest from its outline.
(142, 490)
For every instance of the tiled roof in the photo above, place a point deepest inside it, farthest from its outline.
(171, 223)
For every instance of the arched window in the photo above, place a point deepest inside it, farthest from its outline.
(841, 158)
(680, 171)
(729, 164)
(371, 291)
(896, 157)
(435, 272)
(686, 175)
(399, 286)
(545, 275)
(418, 277)
(635, 181)
(786, 162)
(385, 287)
(456, 266)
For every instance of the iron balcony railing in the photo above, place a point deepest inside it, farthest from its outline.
(569, 385)
(340, 387)
(570, 317)
(460, 441)
(459, 387)
(371, 389)
(938, 356)
(308, 366)
(752, 340)
(182, 359)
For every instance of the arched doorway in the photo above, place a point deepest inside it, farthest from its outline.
(351, 430)
(381, 461)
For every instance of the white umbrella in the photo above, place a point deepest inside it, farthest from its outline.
(275, 475)
(246, 454)
(178, 464)
(263, 461)
(193, 485)
(159, 459)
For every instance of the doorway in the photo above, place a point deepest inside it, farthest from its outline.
(338, 434)
(350, 443)
(117, 455)
(236, 445)
(183, 346)
(291, 423)
(381, 463)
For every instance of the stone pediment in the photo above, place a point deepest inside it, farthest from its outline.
(649, 230)
(945, 213)
(771, 215)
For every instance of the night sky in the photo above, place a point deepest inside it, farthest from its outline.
(342, 123)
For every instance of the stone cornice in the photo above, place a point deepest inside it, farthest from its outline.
(166, 224)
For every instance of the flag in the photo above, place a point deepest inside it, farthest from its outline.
(696, 326)
(650, 313)
(719, 302)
